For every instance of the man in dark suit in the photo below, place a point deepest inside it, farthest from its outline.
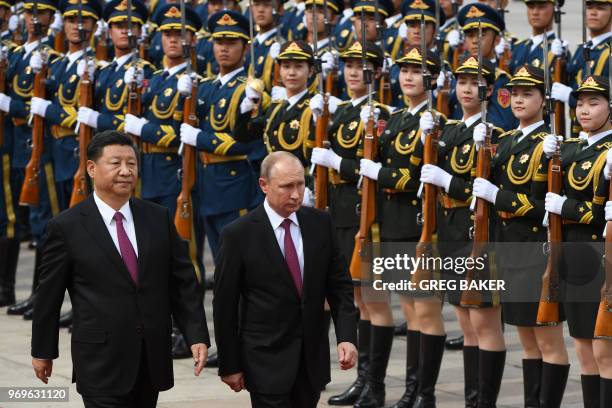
(275, 268)
(128, 274)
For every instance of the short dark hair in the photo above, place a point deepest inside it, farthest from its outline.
(107, 138)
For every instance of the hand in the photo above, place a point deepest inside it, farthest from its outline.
(36, 62)
(308, 200)
(326, 158)
(5, 102)
(58, 23)
(199, 351)
(184, 85)
(235, 381)
(609, 211)
(189, 135)
(42, 369)
(134, 124)
(86, 64)
(553, 203)
(101, 29)
(144, 32)
(316, 105)
(39, 106)
(402, 32)
(278, 93)
(549, 145)
(347, 355)
(133, 74)
(329, 63)
(431, 174)
(501, 47)
(441, 80)
(252, 93)
(426, 123)
(88, 116)
(274, 50)
(453, 38)
(364, 114)
(608, 168)
(247, 105)
(13, 24)
(484, 189)
(558, 47)
(561, 92)
(480, 134)
(369, 169)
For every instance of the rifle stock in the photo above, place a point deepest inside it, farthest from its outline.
(558, 106)
(443, 101)
(102, 48)
(80, 189)
(603, 324)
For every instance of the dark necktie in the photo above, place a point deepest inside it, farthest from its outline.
(125, 247)
(589, 45)
(165, 75)
(517, 135)
(291, 256)
(113, 66)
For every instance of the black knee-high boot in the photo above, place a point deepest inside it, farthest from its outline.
(373, 394)
(349, 397)
(590, 390)
(413, 341)
(432, 349)
(605, 392)
(490, 373)
(470, 375)
(532, 381)
(554, 380)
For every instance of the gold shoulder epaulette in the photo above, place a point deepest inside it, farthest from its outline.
(540, 135)
(573, 140)
(342, 103)
(509, 132)
(451, 122)
(521, 42)
(158, 71)
(398, 111)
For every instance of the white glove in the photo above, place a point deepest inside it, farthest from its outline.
(426, 123)
(84, 64)
(274, 50)
(453, 38)
(479, 134)
(553, 203)
(88, 116)
(133, 75)
(501, 47)
(13, 23)
(369, 169)
(561, 92)
(36, 61)
(441, 80)
(484, 189)
(308, 200)
(326, 158)
(402, 31)
(278, 93)
(364, 114)
(431, 174)
(101, 29)
(558, 47)
(609, 211)
(58, 23)
(251, 93)
(134, 124)
(316, 105)
(549, 145)
(184, 85)
(246, 105)
(144, 32)
(5, 102)
(39, 106)
(189, 135)
(608, 168)
(328, 63)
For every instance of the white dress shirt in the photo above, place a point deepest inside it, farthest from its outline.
(471, 120)
(279, 231)
(175, 69)
(295, 98)
(416, 109)
(229, 76)
(529, 130)
(592, 139)
(263, 37)
(29, 47)
(122, 60)
(73, 57)
(108, 213)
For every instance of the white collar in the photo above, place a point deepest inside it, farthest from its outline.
(275, 219)
(448, 22)
(600, 38)
(261, 37)
(73, 56)
(228, 77)
(392, 20)
(596, 138)
(321, 43)
(107, 212)
(537, 39)
(529, 129)
(122, 60)
(295, 98)
(417, 108)
(357, 101)
(472, 119)
(175, 69)
(29, 47)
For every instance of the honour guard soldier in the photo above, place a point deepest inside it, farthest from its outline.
(517, 189)
(324, 45)
(578, 202)
(342, 159)
(292, 21)
(226, 180)
(111, 91)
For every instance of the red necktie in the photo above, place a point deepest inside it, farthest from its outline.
(125, 247)
(291, 256)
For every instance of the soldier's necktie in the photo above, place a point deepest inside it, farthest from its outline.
(291, 256)
(516, 136)
(125, 247)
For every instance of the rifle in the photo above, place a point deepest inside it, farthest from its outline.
(548, 308)
(18, 37)
(253, 81)
(80, 189)
(480, 230)
(586, 51)
(504, 61)
(276, 81)
(443, 100)
(427, 192)
(457, 53)
(134, 102)
(102, 46)
(322, 123)
(603, 324)
(384, 90)
(183, 218)
(3, 67)
(330, 80)
(560, 74)
(30, 191)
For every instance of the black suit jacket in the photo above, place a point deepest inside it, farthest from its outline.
(112, 316)
(261, 323)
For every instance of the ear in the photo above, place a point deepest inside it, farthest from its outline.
(489, 90)
(377, 73)
(91, 168)
(263, 184)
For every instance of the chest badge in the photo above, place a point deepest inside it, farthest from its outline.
(586, 165)
(72, 78)
(524, 158)
(222, 102)
(465, 149)
(119, 83)
(260, 60)
(168, 91)
(294, 124)
(352, 125)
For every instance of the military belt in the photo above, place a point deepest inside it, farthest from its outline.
(211, 158)
(150, 148)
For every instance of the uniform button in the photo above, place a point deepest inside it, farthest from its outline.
(232, 172)
(168, 158)
(504, 223)
(593, 237)
(414, 202)
(504, 167)
(535, 229)
(445, 213)
(472, 217)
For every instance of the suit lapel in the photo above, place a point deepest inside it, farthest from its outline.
(308, 241)
(142, 239)
(94, 224)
